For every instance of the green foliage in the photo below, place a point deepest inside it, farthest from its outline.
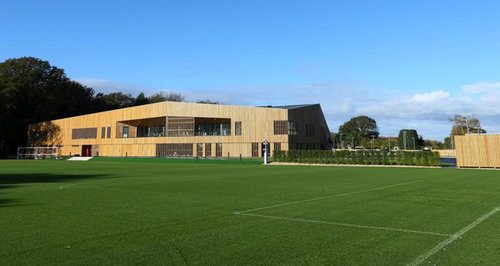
(413, 140)
(363, 157)
(357, 129)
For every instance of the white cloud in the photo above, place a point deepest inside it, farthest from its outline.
(481, 87)
(430, 97)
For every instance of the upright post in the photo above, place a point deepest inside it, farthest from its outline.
(265, 152)
(404, 140)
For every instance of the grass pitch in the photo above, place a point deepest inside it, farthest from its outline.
(158, 211)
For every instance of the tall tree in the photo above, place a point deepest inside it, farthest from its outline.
(409, 139)
(464, 125)
(357, 129)
(141, 99)
(33, 91)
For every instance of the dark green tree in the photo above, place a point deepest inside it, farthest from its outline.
(357, 129)
(141, 99)
(413, 140)
(34, 91)
(113, 100)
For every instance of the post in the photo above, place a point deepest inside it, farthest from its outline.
(413, 138)
(266, 143)
(404, 140)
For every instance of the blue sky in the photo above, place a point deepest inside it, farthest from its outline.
(408, 64)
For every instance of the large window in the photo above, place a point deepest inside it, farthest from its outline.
(174, 150)
(283, 127)
(180, 126)
(103, 132)
(84, 133)
(212, 126)
(151, 131)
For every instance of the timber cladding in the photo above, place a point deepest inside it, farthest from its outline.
(478, 150)
(187, 129)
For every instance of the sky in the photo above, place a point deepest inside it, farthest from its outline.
(407, 64)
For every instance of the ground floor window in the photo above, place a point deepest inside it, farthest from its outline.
(199, 150)
(277, 147)
(218, 150)
(174, 149)
(255, 149)
(208, 150)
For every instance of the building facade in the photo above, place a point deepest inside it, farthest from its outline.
(186, 129)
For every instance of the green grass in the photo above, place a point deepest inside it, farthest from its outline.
(158, 211)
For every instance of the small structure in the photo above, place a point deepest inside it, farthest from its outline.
(478, 150)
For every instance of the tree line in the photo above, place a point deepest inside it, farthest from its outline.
(32, 90)
(361, 132)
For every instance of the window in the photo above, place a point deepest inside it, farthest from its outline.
(103, 132)
(199, 150)
(292, 128)
(237, 128)
(280, 127)
(277, 146)
(84, 133)
(174, 149)
(125, 132)
(283, 127)
(109, 133)
(208, 150)
(218, 150)
(180, 126)
(255, 149)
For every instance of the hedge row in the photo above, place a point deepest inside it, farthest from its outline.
(366, 157)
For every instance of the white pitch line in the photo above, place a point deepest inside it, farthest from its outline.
(452, 238)
(322, 198)
(346, 224)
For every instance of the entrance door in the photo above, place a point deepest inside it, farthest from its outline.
(87, 150)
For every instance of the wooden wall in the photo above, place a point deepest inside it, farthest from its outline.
(474, 150)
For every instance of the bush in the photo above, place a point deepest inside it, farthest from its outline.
(364, 157)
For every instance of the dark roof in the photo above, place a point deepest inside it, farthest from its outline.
(289, 106)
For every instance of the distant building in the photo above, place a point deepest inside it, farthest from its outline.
(186, 129)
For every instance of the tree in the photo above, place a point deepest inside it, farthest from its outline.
(115, 100)
(464, 125)
(208, 102)
(141, 99)
(357, 129)
(412, 141)
(163, 96)
(33, 91)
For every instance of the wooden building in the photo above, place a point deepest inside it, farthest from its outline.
(478, 150)
(186, 129)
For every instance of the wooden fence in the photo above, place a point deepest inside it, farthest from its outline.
(478, 150)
